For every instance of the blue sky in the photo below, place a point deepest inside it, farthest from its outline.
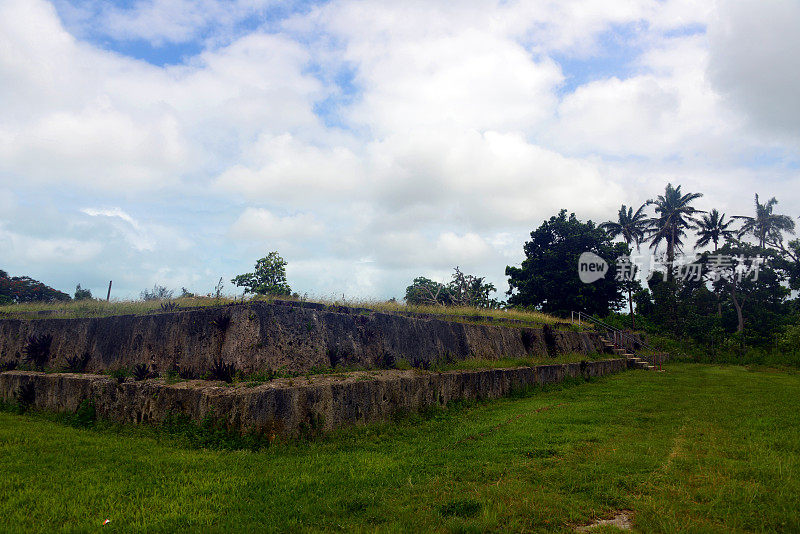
(174, 142)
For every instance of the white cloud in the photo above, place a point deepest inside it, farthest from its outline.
(753, 61)
(21, 249)
(459, 130)
(285, 168)
(260, 224)
(142, 237)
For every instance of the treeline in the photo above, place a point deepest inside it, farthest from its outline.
(15, 289)
(726, 295)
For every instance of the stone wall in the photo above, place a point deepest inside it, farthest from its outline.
(283, 406)
(290, 336)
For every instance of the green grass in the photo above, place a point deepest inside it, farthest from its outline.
(101, 308)
(696, 449)
(481, 363)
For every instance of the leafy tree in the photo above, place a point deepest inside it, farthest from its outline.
(631, 227)
(463, 290)
(25, 289)
(757, 299)
(674, 215)
(269, 277)
(767, 227)
(426, 292)
(548, 277)
(790, 256)
(82, 294)
(712, 228)
(470, 290)
(158, 293)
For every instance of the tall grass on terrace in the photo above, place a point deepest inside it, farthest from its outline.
(101, 308)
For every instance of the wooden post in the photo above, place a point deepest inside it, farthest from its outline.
(108, 295)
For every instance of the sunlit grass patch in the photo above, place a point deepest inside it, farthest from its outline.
(696, 449)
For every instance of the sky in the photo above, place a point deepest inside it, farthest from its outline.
(175, 142)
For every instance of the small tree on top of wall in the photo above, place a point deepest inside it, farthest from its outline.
(269, 277)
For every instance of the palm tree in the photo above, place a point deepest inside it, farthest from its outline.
(674, 216)
(632, 227)
(713, 227)
(766, 226)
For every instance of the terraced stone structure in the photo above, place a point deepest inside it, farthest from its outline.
(290, 336)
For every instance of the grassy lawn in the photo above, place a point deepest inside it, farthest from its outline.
(101, 308)
(695, 449)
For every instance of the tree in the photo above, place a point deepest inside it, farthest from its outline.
(790, 256)
(472, 291)
(548, 277)
(712, 227)
(82, 294)
(463, 290)
(755, 290)
(631, 227)
(426, 292)
(674, 215)
(26, 289)
(767, 227)
(269, 277)
(158, 293)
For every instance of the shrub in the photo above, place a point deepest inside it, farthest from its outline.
(37, 350)
(77, 364)
(141, 372)
(8, 366)
(82, 294)
(169, 306)
(158, 293)
(120, 374)
(222, 371)
(85, 415)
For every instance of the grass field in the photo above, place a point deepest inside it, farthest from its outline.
(101, 308)
(696, 449)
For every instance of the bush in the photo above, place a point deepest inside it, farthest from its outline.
(78, 364)
(120, 374)
(82, 294)
(169, 306)
(158, 293)
(223, 371)
(141, 372)
(37, 350)
(85, 415)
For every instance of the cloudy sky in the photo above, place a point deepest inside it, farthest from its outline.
(369, 142)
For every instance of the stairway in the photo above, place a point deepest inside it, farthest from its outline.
(634, 362)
